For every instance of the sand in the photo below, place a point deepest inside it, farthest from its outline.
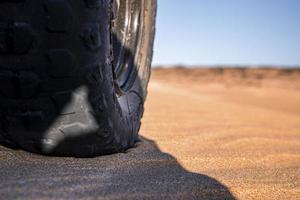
(206, 134)
(239, 126)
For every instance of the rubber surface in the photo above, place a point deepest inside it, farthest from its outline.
(57, 94)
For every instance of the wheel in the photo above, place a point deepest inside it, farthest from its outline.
(74, 74)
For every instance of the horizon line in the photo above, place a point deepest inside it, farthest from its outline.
(224, 66)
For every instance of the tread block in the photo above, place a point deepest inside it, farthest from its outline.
(22, 37)
(33, 117)
(3, 38)
(94, 74)
(106, 131)
(100, 103)
(61, 62)
(61, 98)
(23, 84)
(93, 3)
(60, 16)
(66, 103)
(15, 37)
(24, 119)
(28, 84)
(59, 85)
(7, 87)
(91, 36)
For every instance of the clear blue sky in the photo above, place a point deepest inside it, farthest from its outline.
(232, 32)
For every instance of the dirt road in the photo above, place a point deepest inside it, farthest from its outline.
(209, 134)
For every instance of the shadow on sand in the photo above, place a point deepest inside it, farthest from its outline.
(141, 173)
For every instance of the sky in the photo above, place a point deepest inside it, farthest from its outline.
(228, 32)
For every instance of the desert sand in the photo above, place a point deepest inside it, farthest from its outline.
(239, 126)
(206, 134)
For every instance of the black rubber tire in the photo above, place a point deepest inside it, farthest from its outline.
(57, 94)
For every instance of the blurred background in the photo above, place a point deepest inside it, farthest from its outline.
(228, 33)
(224, 95)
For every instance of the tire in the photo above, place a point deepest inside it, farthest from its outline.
(60, 93)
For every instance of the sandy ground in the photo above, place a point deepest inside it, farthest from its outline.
(206, 134)
(239, 126)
